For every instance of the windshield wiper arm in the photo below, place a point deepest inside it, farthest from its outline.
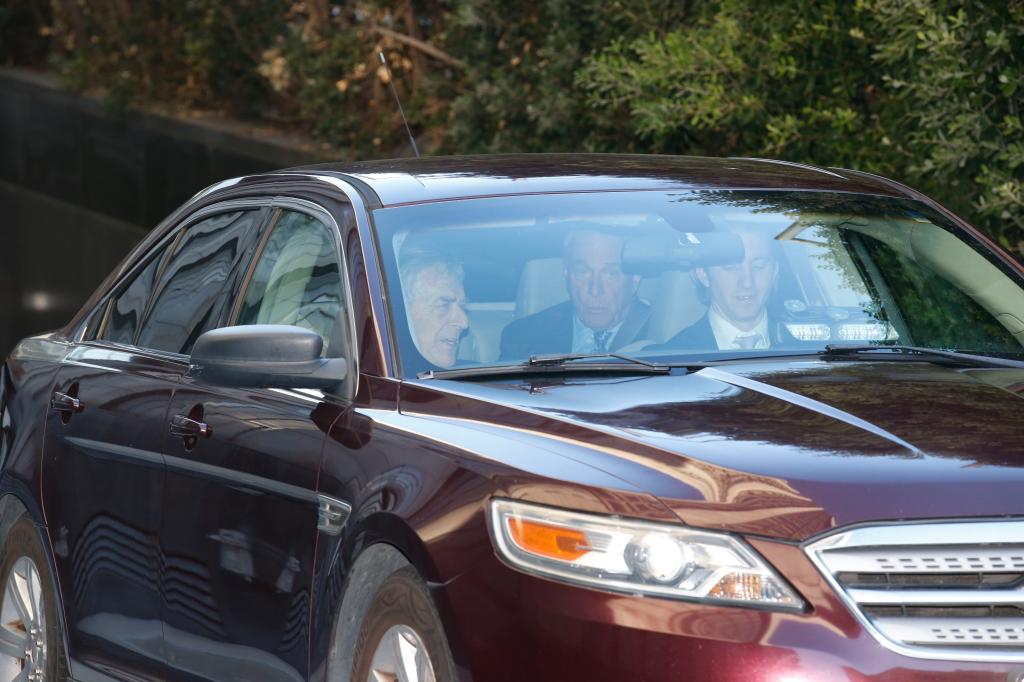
(554, 364)
(563, 358)
(908, 352)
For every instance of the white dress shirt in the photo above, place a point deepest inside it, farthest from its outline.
(726, 332)
(583, 337)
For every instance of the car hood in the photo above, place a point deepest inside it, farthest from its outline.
(784, 448)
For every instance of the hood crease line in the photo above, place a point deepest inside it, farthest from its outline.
(804, 402)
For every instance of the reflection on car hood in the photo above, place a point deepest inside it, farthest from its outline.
(787, 449)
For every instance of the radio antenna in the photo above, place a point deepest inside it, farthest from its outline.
(391, 82)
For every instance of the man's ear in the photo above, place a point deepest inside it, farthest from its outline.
(702, 276)
(636, 283)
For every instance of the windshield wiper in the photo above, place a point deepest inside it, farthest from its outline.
(554, 364)
(565, 363)
(950, 357)
(562, 358)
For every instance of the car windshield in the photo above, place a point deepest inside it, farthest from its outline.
(677, 276)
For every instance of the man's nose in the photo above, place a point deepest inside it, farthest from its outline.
(746, 277)
(595, 287)
(460, 318)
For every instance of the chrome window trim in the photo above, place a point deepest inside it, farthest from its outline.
(111, 347)
(792, 164)
(223, 207)
(921, 533)
(223, 184)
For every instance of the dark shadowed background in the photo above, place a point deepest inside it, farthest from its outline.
(80, 185)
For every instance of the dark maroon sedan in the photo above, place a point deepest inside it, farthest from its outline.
(526, 418)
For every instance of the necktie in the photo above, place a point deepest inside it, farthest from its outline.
(601, 340)
(747, 341)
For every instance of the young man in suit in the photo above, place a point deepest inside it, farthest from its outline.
(737, 317)
(602, 314)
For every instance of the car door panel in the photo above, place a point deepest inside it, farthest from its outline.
(239, 530)
(102, 483)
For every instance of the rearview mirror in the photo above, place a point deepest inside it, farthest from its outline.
(265, 356)
(687, 250)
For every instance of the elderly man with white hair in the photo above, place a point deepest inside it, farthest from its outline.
(435, 302)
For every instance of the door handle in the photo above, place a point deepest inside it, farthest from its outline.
(64, 403)
(185, 427)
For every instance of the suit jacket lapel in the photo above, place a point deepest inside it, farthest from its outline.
(706, 333)
(561, 329)
(636, 320)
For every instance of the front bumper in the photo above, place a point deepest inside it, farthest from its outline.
(506, 625)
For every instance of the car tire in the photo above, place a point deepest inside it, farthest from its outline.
(402, 634)
(31, 629)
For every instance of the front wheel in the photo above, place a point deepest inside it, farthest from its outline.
(401, 638)
(31, 641)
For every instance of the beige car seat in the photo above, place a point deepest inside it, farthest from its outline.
(482, 340)
(541, 285)
(675, 305)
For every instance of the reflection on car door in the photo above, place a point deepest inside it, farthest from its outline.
(240, 512)
(102, 484)
(102, 481)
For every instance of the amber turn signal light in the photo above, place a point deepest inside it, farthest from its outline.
(546, 540)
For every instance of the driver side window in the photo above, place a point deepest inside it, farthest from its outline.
(297, 281)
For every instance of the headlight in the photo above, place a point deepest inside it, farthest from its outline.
(636, 557)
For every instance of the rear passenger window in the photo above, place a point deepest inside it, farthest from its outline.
(297, 281)
(127, 309)
(191, 293)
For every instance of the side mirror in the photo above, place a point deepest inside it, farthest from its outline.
(265, 356)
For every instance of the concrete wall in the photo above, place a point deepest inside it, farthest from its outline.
(79, 185)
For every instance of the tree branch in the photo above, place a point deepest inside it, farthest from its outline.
(242, 42)
(422, 46)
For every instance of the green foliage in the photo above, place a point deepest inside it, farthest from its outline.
(520, 59)
(332, 77)
(184, 54)
(925, 91)
(955, 74)
(310, 65)
(780, 79)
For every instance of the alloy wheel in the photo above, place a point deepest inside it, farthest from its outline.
(23, 625)
(401, 656)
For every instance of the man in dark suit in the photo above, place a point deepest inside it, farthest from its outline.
(738, 317)
(602, 314)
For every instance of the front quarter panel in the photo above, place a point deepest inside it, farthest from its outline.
(25, 385)
(421, 484)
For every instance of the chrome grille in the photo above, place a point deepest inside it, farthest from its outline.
(949, 590)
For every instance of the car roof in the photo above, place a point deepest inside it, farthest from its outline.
(440, 178)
